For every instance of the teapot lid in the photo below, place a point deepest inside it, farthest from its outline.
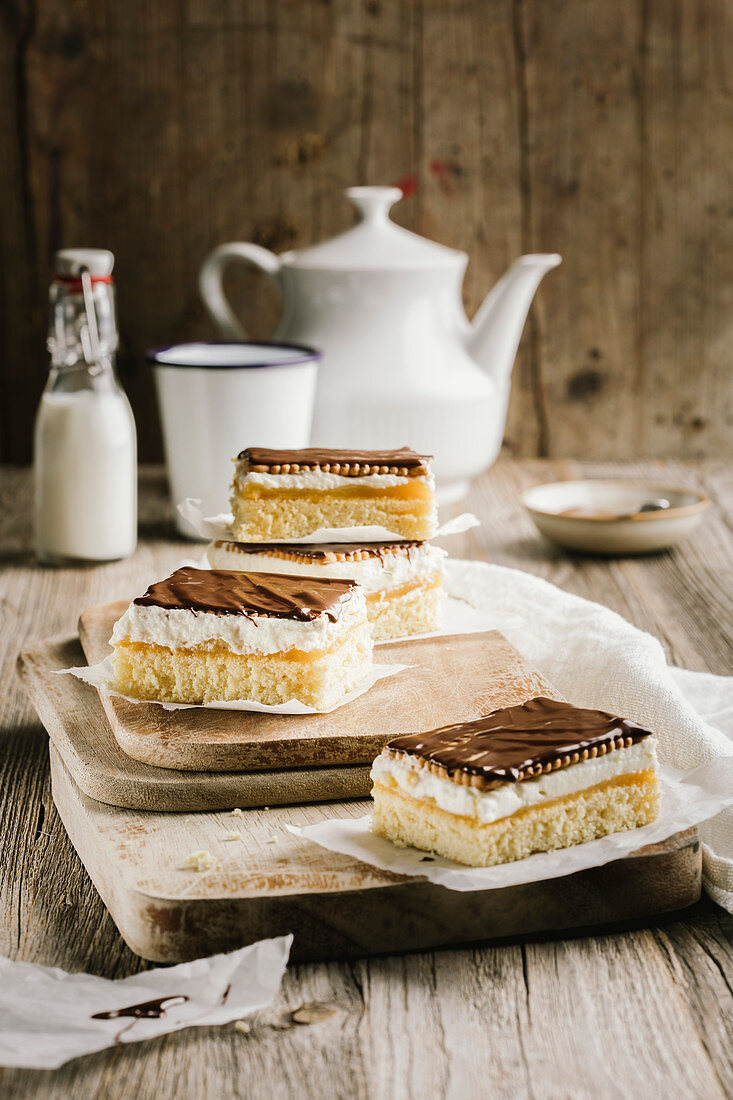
(376, 243)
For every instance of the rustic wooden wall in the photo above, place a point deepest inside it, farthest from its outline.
(602, 130)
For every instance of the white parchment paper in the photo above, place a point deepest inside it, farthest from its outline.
(458, 617)
(220, 527)
(46, 1014)
(687, 799)
(101, 676)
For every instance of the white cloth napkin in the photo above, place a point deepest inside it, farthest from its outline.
(47, 1015)
(595, 658)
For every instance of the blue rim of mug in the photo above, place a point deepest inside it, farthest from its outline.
(310, 355)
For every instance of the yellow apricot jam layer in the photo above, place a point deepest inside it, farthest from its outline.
(411, 490)
(297, 656)
(394, 593)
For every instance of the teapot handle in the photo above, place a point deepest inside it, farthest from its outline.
(210, 281)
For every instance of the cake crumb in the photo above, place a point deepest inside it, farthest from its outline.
(243, 1025)
(313, 1013)
(236, 812)
(233, 834)
(273, 839)
(199, 861)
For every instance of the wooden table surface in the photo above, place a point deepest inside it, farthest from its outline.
(642, 1012)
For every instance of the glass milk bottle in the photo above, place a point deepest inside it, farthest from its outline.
(85, 447)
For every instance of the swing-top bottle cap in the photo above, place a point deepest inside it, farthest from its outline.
(69, 262)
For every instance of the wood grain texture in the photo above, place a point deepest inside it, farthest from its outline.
(271, 882)
(639, 1013)
(597, 130)
(582, 190)
(446, 680)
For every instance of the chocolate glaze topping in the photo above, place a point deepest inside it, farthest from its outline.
(275, 595)
(146, 1010)
(326, 552)
(518, 742)
(348, 462)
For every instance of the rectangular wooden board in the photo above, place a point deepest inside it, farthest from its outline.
(271, 882)
(450, 679)
(80, 732)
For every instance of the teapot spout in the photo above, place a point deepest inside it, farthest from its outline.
(494, 335)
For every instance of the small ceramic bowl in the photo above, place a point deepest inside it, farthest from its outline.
(605, 517)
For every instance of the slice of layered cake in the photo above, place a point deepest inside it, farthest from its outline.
(282, 495)
(530, 778)
(403, 581)
(206, 635)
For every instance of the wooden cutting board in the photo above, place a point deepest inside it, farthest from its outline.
(450, 679)
(271, 882)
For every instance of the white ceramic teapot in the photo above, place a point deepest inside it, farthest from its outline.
(402, 365)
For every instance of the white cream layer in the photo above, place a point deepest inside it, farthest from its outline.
(181, 629)
(409, 565)
(492, 805)
(323, 482)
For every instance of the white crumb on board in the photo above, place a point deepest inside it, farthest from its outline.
(199, 861)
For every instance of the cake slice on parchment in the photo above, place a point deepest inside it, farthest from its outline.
(281, 495)
(529, 778)
(403, 581)
(205, 635)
